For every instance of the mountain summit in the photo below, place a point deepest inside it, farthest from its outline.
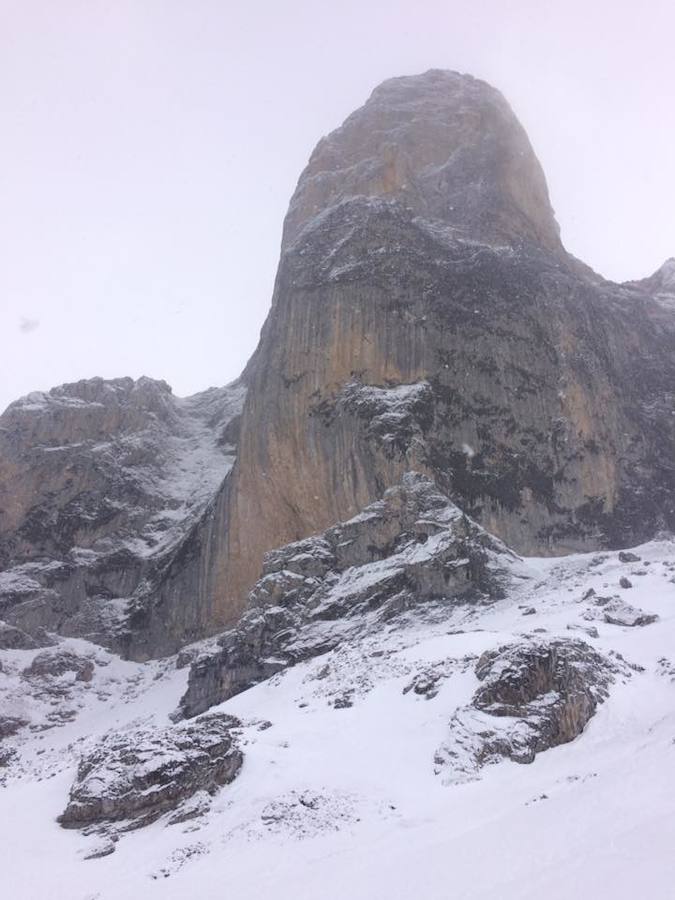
(426, 316)
(445, 145)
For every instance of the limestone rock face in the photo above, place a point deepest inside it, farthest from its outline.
(108, 493)
(12, 638)
(427, 317)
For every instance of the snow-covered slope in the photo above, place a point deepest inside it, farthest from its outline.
(343, 791)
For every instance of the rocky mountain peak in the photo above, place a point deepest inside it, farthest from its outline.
(446, 145)
(661, 285)
(666, 275)
(82, 408)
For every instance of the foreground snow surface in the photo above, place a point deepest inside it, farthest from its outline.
(345, 801)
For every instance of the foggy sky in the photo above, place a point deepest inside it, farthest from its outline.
(149, 149)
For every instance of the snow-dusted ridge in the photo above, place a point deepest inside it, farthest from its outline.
(341, 794)
(102, 483)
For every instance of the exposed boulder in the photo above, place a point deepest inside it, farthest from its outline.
(12, 638)
(616, 612)
(626, 556)
(589, 630)
(9, 725)
(413, 547)
(56, 663)
(137, 775)
(533, 696)
(425, 683)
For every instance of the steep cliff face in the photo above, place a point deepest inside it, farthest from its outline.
(426, 316)
(109, 491)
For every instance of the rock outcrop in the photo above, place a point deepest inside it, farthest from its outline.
(426, 316)
(109, 494)
(136, 776)
(617, 612)
(57, 662)
(12, 638)
(412, 550)
(533, 696)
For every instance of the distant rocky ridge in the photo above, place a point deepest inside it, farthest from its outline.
(426, 317)
(108, 495)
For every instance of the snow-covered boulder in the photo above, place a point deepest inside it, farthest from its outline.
(533, 695)
(617, 612)
(137, 775)
(58, 662)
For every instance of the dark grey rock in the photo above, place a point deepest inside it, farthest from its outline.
(625, 582)
(136, 776)
(8, 755)
(412, 549)
(12, 638)
(9, 725)
(625, 556)
(533, 696)
(344, 701)
(425, 684)
(186, 657)
(55, 663)
(616, 612)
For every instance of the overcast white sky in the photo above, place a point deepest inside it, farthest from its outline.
(149, 149)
